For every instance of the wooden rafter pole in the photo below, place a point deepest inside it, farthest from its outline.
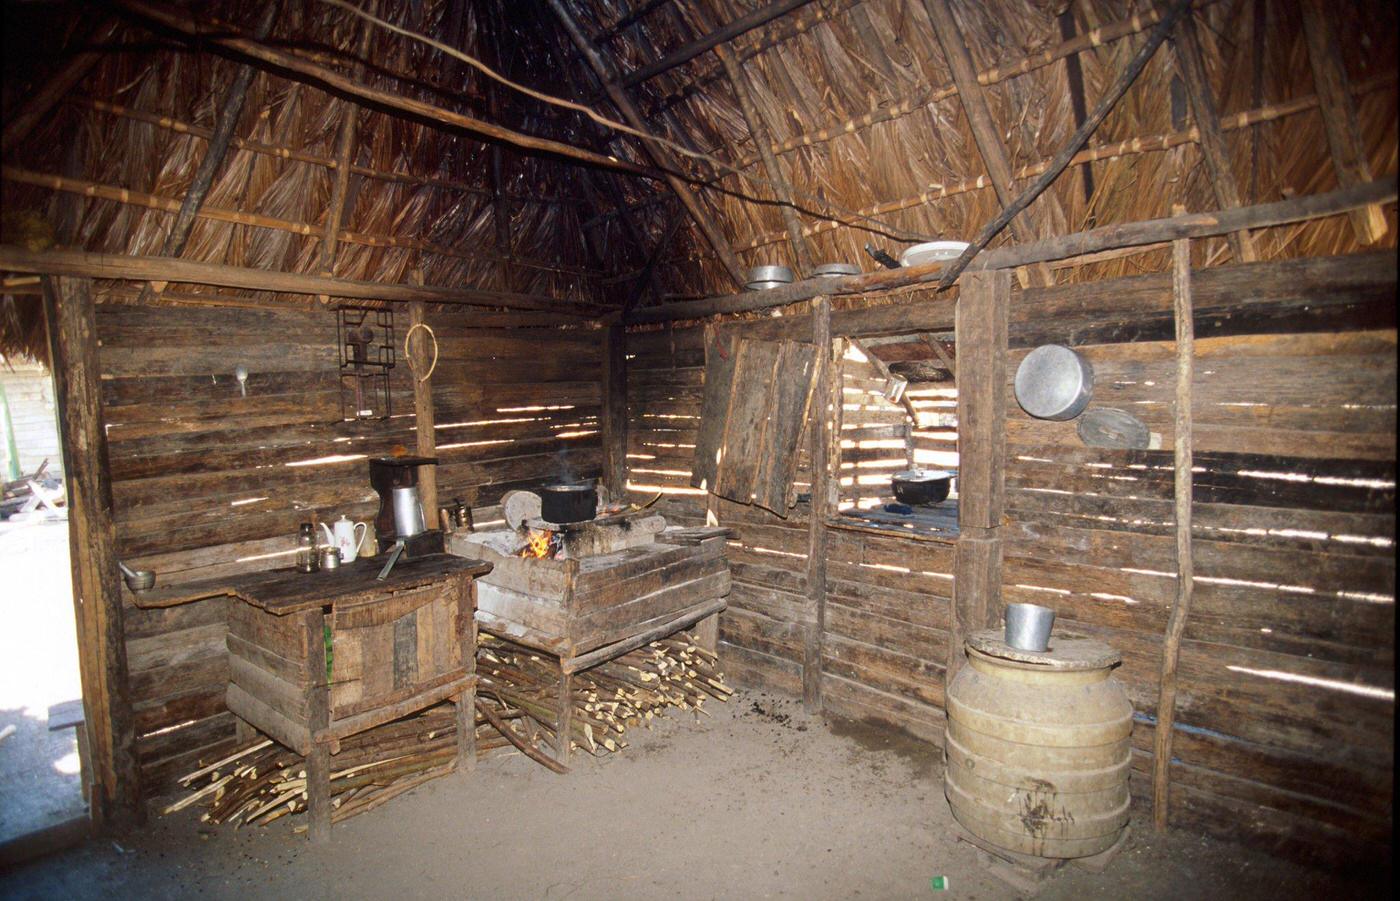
(422, 353)
(1104, 238)
(984, 130)
(71, 315)
(1190, 63)
(661, 156)
(763, 139)
(344, 158)
(649, 270)
(37, 105)
(214, 154)
(398, 104)
(1110, 98)
(729, 32)
(1181, 609)
(1339, 117)
(150, 268)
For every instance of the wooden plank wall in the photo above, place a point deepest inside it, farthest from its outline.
(1284, 721)
(207, 481)
(1284, 730)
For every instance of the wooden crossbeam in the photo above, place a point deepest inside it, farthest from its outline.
(729, 32)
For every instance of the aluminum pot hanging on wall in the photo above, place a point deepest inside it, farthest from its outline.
(1054, 382)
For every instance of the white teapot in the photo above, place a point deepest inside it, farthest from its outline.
(343, 537)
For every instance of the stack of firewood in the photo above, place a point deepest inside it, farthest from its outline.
(608, 699)
(516, 709)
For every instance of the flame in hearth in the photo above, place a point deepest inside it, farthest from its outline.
(539, 544)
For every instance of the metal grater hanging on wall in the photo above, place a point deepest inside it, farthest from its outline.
(366, 358)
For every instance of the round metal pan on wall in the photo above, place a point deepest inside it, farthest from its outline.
(1054, 382)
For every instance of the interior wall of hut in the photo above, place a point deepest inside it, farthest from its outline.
(536, 236)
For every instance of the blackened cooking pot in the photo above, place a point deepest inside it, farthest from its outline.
(574, 502)
(917, 486)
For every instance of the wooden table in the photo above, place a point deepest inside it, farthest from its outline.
(316, 657)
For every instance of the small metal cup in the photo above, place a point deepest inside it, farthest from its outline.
(1028, 626)
(330, 558)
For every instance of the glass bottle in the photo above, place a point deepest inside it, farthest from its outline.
(306, 549)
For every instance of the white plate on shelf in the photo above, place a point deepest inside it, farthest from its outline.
(932, 252)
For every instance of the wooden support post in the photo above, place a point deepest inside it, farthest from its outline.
(318, 759)
(563, 741)
(660, 155)
(615, 412)
(1176, 623)
(763, 139)
(72, 325)
(706, 633)
(1190, 63)
(984, 130)
(425, 420)
(1339, 117)
(466, 701)
(981, 330)
(817, 514)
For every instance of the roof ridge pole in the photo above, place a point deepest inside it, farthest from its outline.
(1110, 99)
(1191, 65)
(213, 161)
(763, 138)
(984, 130)
(1339, 118)
(662, 158)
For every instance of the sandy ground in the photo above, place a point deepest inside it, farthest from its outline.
(760, 801)
(38, 667)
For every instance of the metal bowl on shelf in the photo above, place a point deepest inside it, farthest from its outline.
(826, 270)
(762, 278)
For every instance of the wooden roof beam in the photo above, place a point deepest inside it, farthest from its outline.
(1339, 117)
(344, 157)
(1105, 238)
(1190, 63)
(395, 104)
(762, 136)
(150, 268)
(37, 105)
(984, 130)
(741, 25)
(661, 156)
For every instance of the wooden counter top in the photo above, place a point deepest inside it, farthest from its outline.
(284, 591)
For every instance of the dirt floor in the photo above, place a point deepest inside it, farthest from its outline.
(760, 801)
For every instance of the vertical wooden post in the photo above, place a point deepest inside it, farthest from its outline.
(981, 330)
(615, 412)
(466, 701)
(92, 539)
(1176, 623)
(1339, 117)
(563, 739)
(817, 513)
(318, 759)
(425, 421)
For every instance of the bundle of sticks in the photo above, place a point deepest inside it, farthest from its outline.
(608, 699)
(518, 694)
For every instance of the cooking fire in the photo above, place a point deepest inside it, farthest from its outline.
(540, 544)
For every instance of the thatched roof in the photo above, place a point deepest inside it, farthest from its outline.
(872, 139)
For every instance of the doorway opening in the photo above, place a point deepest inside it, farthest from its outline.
(41, 709)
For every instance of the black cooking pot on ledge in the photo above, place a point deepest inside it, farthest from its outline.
(921, 487)
(570, 502)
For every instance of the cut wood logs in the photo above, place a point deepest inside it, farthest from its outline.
(261, 781)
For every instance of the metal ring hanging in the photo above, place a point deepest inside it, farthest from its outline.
(408, 356)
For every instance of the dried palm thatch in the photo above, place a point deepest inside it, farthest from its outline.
(868, 130)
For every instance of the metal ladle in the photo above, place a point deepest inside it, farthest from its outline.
(137, 579)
